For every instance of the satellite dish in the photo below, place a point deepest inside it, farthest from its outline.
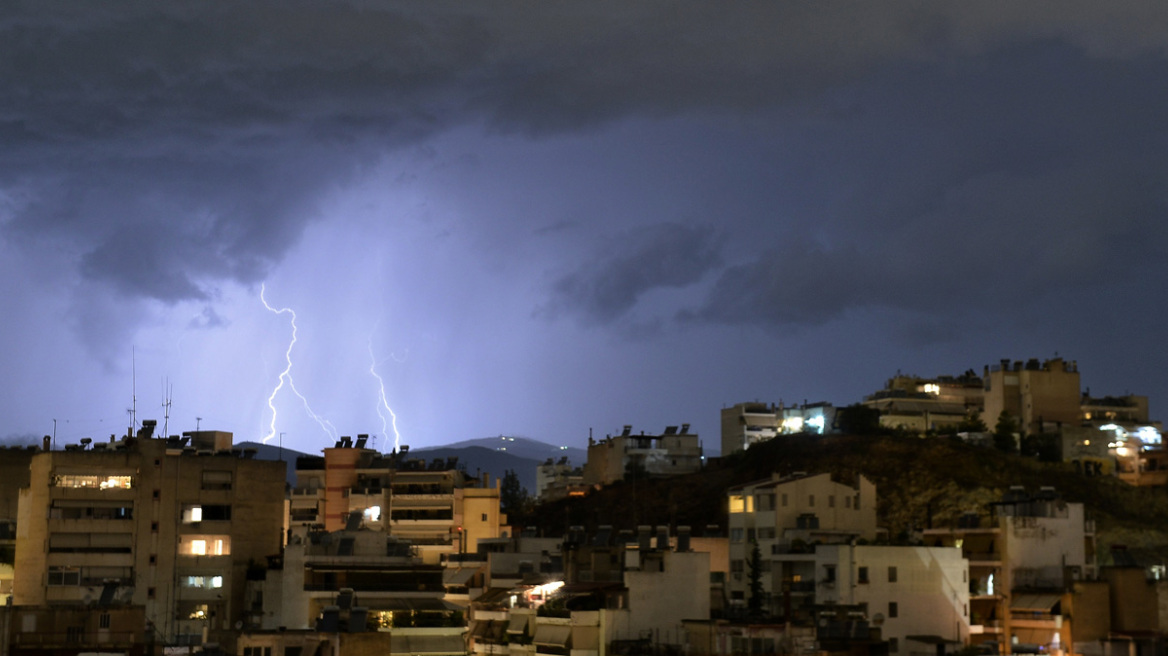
(878, 619)
(238, 624)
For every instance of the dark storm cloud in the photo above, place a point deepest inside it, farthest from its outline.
(611, 282)
(166, 147)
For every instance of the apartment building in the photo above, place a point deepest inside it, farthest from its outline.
(433, 505)
(1042, 396)
(169, 524)
(808, 535)
(747, 424)
(919, 405)
(1025, 559)
(675, 451)
(558, 479)
(617, 594)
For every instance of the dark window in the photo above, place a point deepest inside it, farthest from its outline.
(153, 559)
(157, 493)
(216, 480)
(149, 593)
(103, 621)
(892, 574)
(862, 575)
(829, 573)
(892, 609)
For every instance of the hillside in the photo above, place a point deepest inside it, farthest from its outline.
(918, 481)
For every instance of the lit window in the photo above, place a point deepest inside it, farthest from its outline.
(95, 482)
(205, 545)
(737, 503)
(373, 513)
(192, 514)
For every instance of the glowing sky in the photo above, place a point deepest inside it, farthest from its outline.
(545, 218)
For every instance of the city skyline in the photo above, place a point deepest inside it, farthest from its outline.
(550, 221)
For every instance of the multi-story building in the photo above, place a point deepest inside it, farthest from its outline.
(674, 452)
(918, 596)
(169, 524)
(1041, 396)
(922, 404)
(1024, 560)
(617, 594)
(558, 479)
(747, 424)
(801, 533)
(785, 515)
(435, 506)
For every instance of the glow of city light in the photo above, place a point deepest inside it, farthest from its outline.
(286, 375)
(382, 401)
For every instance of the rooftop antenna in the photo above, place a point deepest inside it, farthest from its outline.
(134, 387)
(167, 389)
(198, 420)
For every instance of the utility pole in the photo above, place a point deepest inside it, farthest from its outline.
(198, 420)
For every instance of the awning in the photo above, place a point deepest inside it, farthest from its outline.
(518, 623)
(400, 603)
(552, 635)
(430, 645)
(458, 576)
(933, 640)
(1036, 603)
(493, 596)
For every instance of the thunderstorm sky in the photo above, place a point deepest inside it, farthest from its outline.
(540, 219)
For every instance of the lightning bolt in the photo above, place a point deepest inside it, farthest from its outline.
(382, 402)
(286, 375)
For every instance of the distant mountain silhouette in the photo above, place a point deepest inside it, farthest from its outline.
(492, 455)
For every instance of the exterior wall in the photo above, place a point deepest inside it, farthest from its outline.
(480, 515)
(61, 631)
(929, 596)
(1089, 607)
(1134, 599)
(14, 473)
(659, 600)
(1041, 547)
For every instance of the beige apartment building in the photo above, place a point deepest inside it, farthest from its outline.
(785, 515)
(1026, 562)
(674, 452)
(168, 524)
(433, 505)
(1042, 396)
(812, 536)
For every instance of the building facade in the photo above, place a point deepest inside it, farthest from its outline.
(169, 524)
(672, 453)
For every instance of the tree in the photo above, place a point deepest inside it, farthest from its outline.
(754, 604)
(513, 497)
(1004, 432)
(972, 424)
(858, 419)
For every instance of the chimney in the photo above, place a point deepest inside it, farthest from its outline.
(683, 538)
(663, 538)
(48, 443)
